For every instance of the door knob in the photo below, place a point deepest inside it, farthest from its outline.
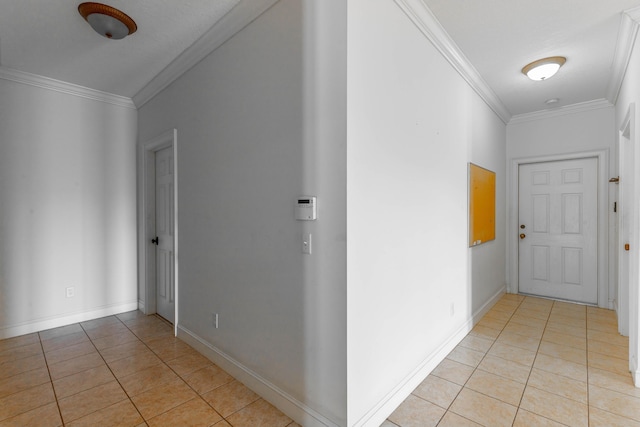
(522, 235)
(155, 241)
(626, 246)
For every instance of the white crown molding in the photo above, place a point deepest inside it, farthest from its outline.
(624, 47)
(633, 13)
(562, 111)
(64, 87)
(427, 23)
(241, 15)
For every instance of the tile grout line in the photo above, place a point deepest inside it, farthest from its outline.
(176, 373)
(55, 394)
(586, 355)
(475, 368)
(112, 373)
(183, 379)
(86, 331)
(534, 362)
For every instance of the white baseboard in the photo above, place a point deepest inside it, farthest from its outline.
(393, 399)
(636, 378)
(141, 306)
(68, 319)
(296, 410)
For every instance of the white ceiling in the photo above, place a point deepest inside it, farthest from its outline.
(50, 38)
(498, 37)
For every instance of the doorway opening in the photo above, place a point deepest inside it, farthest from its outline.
(159, 231)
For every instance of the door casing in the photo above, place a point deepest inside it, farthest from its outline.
(147, 262)
(628, 318)
(603, 228)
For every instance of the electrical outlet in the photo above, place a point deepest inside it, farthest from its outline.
(71, 291)
(215, 320)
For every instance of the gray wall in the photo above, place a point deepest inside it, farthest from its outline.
(67, 208)
(261, 121)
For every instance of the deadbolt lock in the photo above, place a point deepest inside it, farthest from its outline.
(522, 226)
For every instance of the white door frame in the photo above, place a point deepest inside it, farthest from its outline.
(628, 319)
(603, 222)
(146, 249)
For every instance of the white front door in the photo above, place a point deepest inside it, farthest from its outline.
(558, 214)
(165, 284)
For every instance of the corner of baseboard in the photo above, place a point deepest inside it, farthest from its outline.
(43, 324)
(393, 399)
(290, 406)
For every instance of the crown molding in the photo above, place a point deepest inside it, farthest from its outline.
(633, 13)
(241, 15)
(423, 18)
(624, 47)
(64, 87)
(580, 107)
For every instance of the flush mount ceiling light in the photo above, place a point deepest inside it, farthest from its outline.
(107, 21)
(544, 68)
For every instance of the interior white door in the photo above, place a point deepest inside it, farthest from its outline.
(165, 283)
(558, 213)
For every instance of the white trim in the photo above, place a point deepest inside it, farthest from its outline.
(633, 13)
(624, 47)
(399, 393)
(298, 411)
(603, 218)
(581, 107)
(146, 261)
(420, 14)
(68, 319)
(628, 318)
(64, 87)
(623, 293)
(235, 20)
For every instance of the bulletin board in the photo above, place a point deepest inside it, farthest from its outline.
(482, 205)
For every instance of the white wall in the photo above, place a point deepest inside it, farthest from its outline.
(67, 208)
(261, 121)
(413, 125)
(630, 94)
(582, 131)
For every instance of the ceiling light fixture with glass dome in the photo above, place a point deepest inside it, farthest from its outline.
(543, 68)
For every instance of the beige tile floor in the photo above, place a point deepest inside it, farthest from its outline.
(125, 370)
(530, 362)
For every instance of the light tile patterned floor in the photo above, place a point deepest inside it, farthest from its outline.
(125, 370)
(530, 362)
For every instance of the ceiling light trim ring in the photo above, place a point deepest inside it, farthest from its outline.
(89, 8)
(558, 60)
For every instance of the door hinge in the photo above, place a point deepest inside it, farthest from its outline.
(615, 206)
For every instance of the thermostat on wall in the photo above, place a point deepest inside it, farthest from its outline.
(306, 208)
